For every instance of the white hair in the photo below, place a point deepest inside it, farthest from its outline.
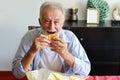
(53, 5)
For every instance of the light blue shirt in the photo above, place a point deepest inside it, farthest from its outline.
(81, 66)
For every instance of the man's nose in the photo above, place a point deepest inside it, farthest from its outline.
(52, 25)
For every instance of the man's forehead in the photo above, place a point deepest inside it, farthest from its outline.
(51, 18)
(52, 11)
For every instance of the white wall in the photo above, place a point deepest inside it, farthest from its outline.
(17, 15)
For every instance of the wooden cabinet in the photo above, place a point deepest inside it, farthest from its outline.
(102, 45)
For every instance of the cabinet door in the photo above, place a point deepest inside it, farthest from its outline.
(102, 46)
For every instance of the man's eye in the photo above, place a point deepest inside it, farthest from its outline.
(56, 22)
(46, 21)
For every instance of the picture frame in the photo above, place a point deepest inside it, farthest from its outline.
(92, 16)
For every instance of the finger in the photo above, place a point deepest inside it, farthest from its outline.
(41, 36)
(57, 44)
(44, 44)
(58, 39)
(54, 44)
(58, 50)
(43, 39)
(54, 49)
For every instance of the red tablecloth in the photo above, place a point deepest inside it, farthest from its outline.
(103, 78)
(89, 78)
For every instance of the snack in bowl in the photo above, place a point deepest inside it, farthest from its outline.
(55, 76)
(59, 76)
(45, 74)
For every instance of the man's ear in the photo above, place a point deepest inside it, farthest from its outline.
(63, 22)
(39, 21)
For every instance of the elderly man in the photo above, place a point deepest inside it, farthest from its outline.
(62, 54)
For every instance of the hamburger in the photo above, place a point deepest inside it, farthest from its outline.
(54, 35)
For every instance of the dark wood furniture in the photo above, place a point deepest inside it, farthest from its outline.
(102, 45)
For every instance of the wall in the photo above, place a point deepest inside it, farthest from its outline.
(17, 15)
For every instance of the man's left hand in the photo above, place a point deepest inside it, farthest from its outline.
(59, 46)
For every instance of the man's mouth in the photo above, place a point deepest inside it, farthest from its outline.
(51, 31)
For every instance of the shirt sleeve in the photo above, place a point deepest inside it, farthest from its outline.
(82, 64)
(17, 68)
(81, 67)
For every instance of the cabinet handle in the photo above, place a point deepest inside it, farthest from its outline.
(81, 39)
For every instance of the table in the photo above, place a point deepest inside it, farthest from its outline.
(90, 78)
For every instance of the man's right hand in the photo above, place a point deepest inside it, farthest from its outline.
(40, 42)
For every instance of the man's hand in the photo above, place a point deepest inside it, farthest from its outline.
(40, 42)
(58, 46)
